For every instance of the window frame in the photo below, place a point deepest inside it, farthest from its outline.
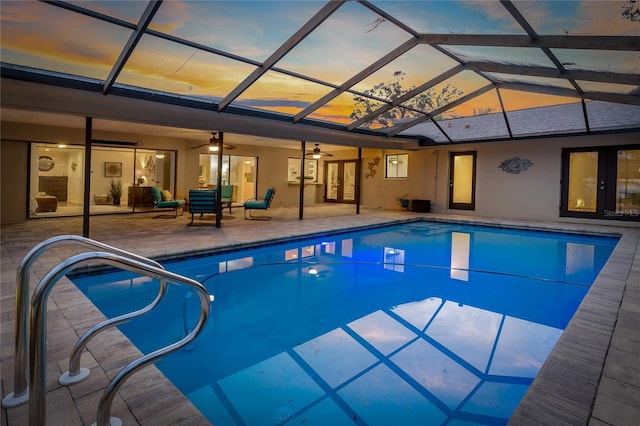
(387, 162)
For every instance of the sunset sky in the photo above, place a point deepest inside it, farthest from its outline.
(42, 36)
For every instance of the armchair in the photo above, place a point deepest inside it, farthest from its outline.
(163, 199)
(226, 196)
(259, 204)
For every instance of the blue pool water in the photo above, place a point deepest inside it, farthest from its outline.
(420, 323)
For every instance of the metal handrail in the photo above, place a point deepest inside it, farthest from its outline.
(20, 394)
(76, 374)
(37, 330)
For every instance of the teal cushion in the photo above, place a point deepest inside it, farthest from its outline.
(156, 191)
(170, 204)
(255, 204)
(260, 204)
(227, 191)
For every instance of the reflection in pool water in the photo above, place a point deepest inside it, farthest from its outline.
(420, 323)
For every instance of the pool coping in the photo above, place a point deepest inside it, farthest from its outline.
(567, 389)
(570, 387)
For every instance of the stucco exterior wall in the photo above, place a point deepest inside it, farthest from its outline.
(533, 194)
(13, 182)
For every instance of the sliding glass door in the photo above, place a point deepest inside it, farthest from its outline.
(237, 171)
(601, 182)
(151, 168)
(121, 179)
(56, 180)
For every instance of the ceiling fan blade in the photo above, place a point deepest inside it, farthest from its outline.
(324, 154)
(225, 146)
(200, 146)
(212, 141)
(316, 151)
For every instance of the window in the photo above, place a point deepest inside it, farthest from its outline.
(397, 166)
(310, 174)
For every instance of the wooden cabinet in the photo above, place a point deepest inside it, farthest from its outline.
(141, 196)
(421, 206)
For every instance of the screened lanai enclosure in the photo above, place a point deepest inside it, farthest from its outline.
(402, 75)
(424, 72)
(440, 94)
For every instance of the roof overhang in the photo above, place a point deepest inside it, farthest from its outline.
(34, 96)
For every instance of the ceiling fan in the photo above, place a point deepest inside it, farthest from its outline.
(213, 143)
(316, 153)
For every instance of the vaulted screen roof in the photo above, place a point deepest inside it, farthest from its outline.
(437, 71)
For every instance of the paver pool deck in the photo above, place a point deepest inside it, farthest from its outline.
(592, 377)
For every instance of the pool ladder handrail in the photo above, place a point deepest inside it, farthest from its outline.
(20, 394)
(37, 331)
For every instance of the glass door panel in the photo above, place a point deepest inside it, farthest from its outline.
(583, 179)
(462, 179)
(628, 182)
(333, 181)
(152, 168)
(237, 171)
(246, 182)
(601, 183)
(56, 180)
(165, 171)
(147, 174)
(209, 170)
(349, 187)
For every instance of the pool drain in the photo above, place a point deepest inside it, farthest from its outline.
(282, 415)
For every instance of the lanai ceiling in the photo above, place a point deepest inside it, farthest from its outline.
(425, 72)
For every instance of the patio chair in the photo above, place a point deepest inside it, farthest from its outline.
(201, 201)
(259, 204)
(163, 199)
(226, 195)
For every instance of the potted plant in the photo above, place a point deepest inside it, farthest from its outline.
(115, 189)
(403, 201)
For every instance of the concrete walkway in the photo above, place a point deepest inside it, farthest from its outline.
(591, 377)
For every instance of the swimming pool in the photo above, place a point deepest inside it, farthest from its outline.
(417, 323)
